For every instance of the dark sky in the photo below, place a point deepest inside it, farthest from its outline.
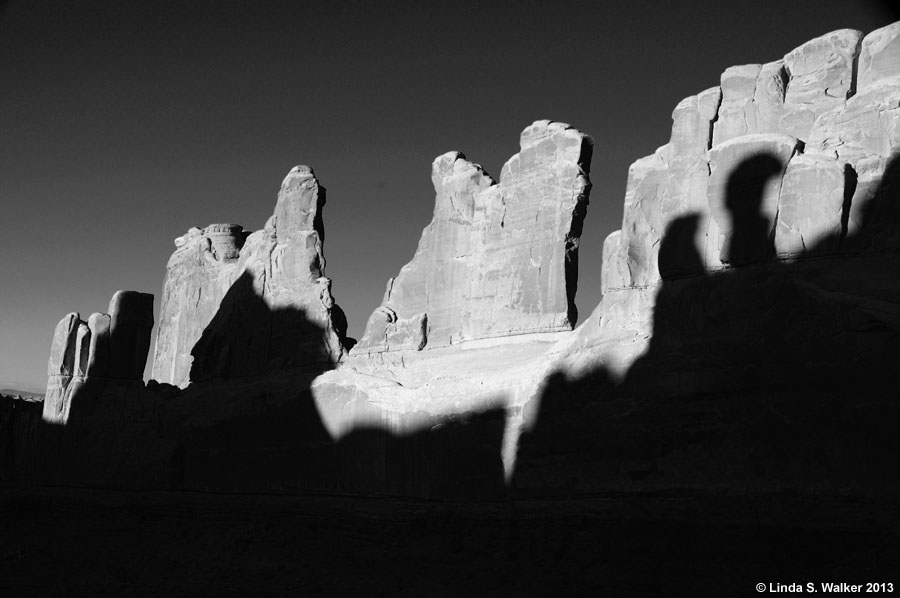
(122, 124)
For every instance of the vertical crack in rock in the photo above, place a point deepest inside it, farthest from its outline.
(850, 180)
(738, 84)
(750, 125)
(784, 76)
(854, 73)
(714, 120)
(580, 194)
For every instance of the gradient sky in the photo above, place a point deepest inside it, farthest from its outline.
(122, 124)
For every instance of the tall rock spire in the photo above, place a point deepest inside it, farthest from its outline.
(497, 259)
(241, 304)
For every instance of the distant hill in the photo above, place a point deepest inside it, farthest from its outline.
(26, 390)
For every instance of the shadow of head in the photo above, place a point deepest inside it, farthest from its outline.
(678, 253)
(752, 229)
(249, 337)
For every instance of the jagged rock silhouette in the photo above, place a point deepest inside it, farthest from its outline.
(755, 261)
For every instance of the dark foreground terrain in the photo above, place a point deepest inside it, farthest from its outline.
(69, 542)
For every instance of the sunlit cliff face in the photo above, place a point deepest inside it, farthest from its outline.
(755, 261)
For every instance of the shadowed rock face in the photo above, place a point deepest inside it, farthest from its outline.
(197, 277)
(746, 341)
(108, 346)
(282, 265)
(801, 162)
(498, 258)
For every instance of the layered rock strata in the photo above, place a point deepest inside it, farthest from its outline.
(237, 303)
(497, 258)
(110, 346)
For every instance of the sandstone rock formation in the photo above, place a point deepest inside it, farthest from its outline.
(197, 276)
(749, 322)
(497, 258)
(802, 130)
(788, 95)
(238, 304)
(789, 187)
(757, 251)
(879, 56)
(108, 346)
(745, 344)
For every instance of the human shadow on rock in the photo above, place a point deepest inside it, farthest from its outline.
(767, 392)
(874, 224)
(752, 236)
(775, 376)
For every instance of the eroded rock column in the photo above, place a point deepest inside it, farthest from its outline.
(240, 304)
(497, 258)
(107, 347)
